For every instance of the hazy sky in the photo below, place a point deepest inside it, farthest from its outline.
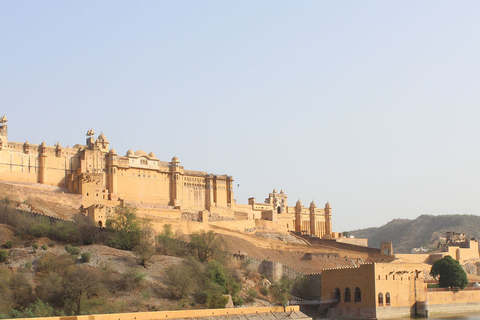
(371, 105)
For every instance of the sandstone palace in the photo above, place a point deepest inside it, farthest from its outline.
(162, 189)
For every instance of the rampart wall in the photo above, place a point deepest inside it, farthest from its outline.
(179, 314)
(271, 269)
(453, 302)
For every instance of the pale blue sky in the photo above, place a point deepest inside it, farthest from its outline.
(371, 105)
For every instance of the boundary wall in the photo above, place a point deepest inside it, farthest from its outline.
(178, 314)
(453, 302)
(271, 269)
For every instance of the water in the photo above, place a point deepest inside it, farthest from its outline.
(464, 317)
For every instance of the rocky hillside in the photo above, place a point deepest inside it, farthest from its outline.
(425, 230)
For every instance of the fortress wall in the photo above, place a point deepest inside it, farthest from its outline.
(144, 186)
(465, 254)
(374, 252)
(450, 302)
(193, 197)
(159, 213)
(414, 258)
(221, 192)
(279, 225)
(271, 269)
(181, 226)
(234, 313)
(239, 225)
(354, 241)
(18, 166)
(453, 297)
(223, 211)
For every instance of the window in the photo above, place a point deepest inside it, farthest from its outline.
(346, 295)
(357, 295)
(336, 295)
(380, 299)
(387, 299)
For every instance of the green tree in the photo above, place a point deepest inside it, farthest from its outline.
(144, 252)
(3, 255)
(184, 278)
(6, 295)
(281, 290)
(127, 228)
(39, 309)
(450, 273)
(205, 245)
(79, 282)
(168, 243)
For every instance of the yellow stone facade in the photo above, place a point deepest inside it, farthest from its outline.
(374, 290)
(157, 188)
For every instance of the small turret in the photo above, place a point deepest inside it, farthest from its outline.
(3, 130)
(90, 138)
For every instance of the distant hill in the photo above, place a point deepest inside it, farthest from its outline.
(425, 230)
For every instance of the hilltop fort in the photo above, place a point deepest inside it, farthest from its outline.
(159, 189)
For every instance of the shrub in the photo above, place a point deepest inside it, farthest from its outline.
(35, 246)
(132, 279)
(264, 290)
(51, 244)
(8, 244)
(28, 265)
(252, 292)
(44, 247)
(74, 251)
(86, 256)
(238, 301)
(3, 255)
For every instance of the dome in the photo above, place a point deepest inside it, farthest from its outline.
(102, 137)
(141, 153)
(3, 119)
(175, 159)
(299, 202)
(113, 151)
(476, 285)
(281, 191)
(152, 155)
(312, 204)
(274, 190)
(327, 205)
(130, 153)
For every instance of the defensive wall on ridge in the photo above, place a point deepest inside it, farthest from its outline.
(272, 270)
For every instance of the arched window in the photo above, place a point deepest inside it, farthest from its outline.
(357, 296)
(346, 295)
(380, 299)
(387, 299)
(336, 295)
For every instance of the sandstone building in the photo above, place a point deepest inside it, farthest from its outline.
(158, 188)
(390, 290)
